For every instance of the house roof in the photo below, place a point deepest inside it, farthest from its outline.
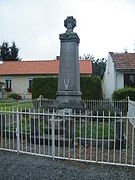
(39, 67)
(124, 61)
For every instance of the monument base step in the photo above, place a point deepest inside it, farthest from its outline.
(74, 105)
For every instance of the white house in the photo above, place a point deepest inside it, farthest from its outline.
(120, 72)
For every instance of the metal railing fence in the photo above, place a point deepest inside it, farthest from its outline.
(92, 105)
(107, 105)
(105, 138)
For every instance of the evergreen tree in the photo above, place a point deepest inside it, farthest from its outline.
(14, 52)
(4, 52)
(9, 53)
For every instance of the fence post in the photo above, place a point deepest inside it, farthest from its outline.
(39, 102)
(53, 136)
(17, 132)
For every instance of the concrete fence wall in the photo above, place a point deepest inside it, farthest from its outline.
(131, 111)
(131, 127)
(131, 107)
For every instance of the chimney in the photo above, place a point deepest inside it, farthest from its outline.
(126, 50)
(58, 58)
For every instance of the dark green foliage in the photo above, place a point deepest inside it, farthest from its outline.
(15, 96)
(124, 93)
(90, 87)
(44, 86)
(9, 53)
(98, 65)
(4, 52)
(14, 52)
(106, 108)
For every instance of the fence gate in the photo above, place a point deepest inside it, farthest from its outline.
(66, 134)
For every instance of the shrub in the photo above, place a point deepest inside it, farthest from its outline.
(90, 87)
(106, 108)
(44, 86)
(124, 93)
(1, 85)
(15, 96)
(8, 89)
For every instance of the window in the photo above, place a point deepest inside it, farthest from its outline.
(129, 80)
(8, 84)
(29, 85)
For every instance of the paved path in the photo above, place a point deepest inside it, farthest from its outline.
(29, 167)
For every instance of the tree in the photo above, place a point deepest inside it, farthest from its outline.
(98, 66)
(86, 57)
(9, 53)
(14, 52)
(4, 52)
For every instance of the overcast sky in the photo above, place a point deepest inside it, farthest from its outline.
(35, 25)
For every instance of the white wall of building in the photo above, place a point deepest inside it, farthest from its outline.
(113, 80)
(109, 80)
(20, 84)
(119, 80)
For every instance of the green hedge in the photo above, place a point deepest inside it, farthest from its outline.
(44, 86)
(124, 93)
(90, 87)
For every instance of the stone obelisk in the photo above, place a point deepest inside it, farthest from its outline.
(68, 92)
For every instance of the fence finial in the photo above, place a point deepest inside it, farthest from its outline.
(128, 98)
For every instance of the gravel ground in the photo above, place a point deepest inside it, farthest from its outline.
(13, 167)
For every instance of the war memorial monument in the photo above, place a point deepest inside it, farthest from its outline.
(68, 91)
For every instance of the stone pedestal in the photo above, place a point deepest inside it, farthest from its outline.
(68, 93)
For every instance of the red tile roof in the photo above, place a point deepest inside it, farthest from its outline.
(124, 61)
(39, 67)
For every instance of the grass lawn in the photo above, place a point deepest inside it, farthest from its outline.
(9, 106)
(80, 131)
(26, 123)
(87, 128)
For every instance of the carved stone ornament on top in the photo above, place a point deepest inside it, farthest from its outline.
(70, 23)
